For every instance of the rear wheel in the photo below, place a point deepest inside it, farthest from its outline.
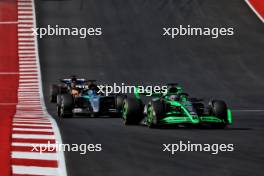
(54, 90)
(119, 104)
(66, 106)
(132, 112)
(59, 105)
(59, 110)
(155, 112)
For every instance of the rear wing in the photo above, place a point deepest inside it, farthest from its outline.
(78, 81)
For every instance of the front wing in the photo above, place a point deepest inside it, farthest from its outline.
(172, 119)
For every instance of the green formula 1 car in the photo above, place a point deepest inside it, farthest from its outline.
(175, 107)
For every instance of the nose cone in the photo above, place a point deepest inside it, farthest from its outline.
(95, 104)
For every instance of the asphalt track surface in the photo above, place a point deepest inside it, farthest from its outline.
(132, 50)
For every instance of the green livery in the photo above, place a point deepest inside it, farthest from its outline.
(175, 107)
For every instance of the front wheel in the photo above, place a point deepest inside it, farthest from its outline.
(64, 109)
(155, 112)
(218, 108)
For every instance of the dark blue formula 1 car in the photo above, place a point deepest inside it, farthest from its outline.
(89, 103)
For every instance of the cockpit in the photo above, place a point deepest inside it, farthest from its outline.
(89, 92)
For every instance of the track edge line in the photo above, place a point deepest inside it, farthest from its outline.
(61, 160)
(254, 10)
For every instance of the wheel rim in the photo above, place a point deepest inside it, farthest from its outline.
(58, 111)
(150, 115)
(125, 110)
(62, 111)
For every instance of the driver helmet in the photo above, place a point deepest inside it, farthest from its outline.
(173, 97)
(73, 85)
(173, 89)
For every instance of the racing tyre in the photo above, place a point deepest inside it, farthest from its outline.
(119, 103)
(59, 105)
(132, 112)
(218, 108)
(58, 99)
(54, 90)
(59, 110)
(155, 112)
(66, 106)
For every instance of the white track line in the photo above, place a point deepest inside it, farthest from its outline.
(25, 47)
(27, 98)
(40, 120)
(30, 125)
(28, 101)
(25, 39)
(28, 129)
(25, 30)
(34, 114)
(27, 66)
(255, 11)
(27, 80)
(33, 155)
(25, 25)
(29, 84)
(23, 144)
(8, 22)
(32, 136)
(44, 118)
(35, 170)
(28, 116)
(25, 106)
(31, 107)
(32, 121)
(24, 3)
(25, 17)
(24, 12)
(26, 43)
(24, 89)
(27, 55)
(31, 62)
(248, 110)
(25, 21)
(25, 34)
(24, 8)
